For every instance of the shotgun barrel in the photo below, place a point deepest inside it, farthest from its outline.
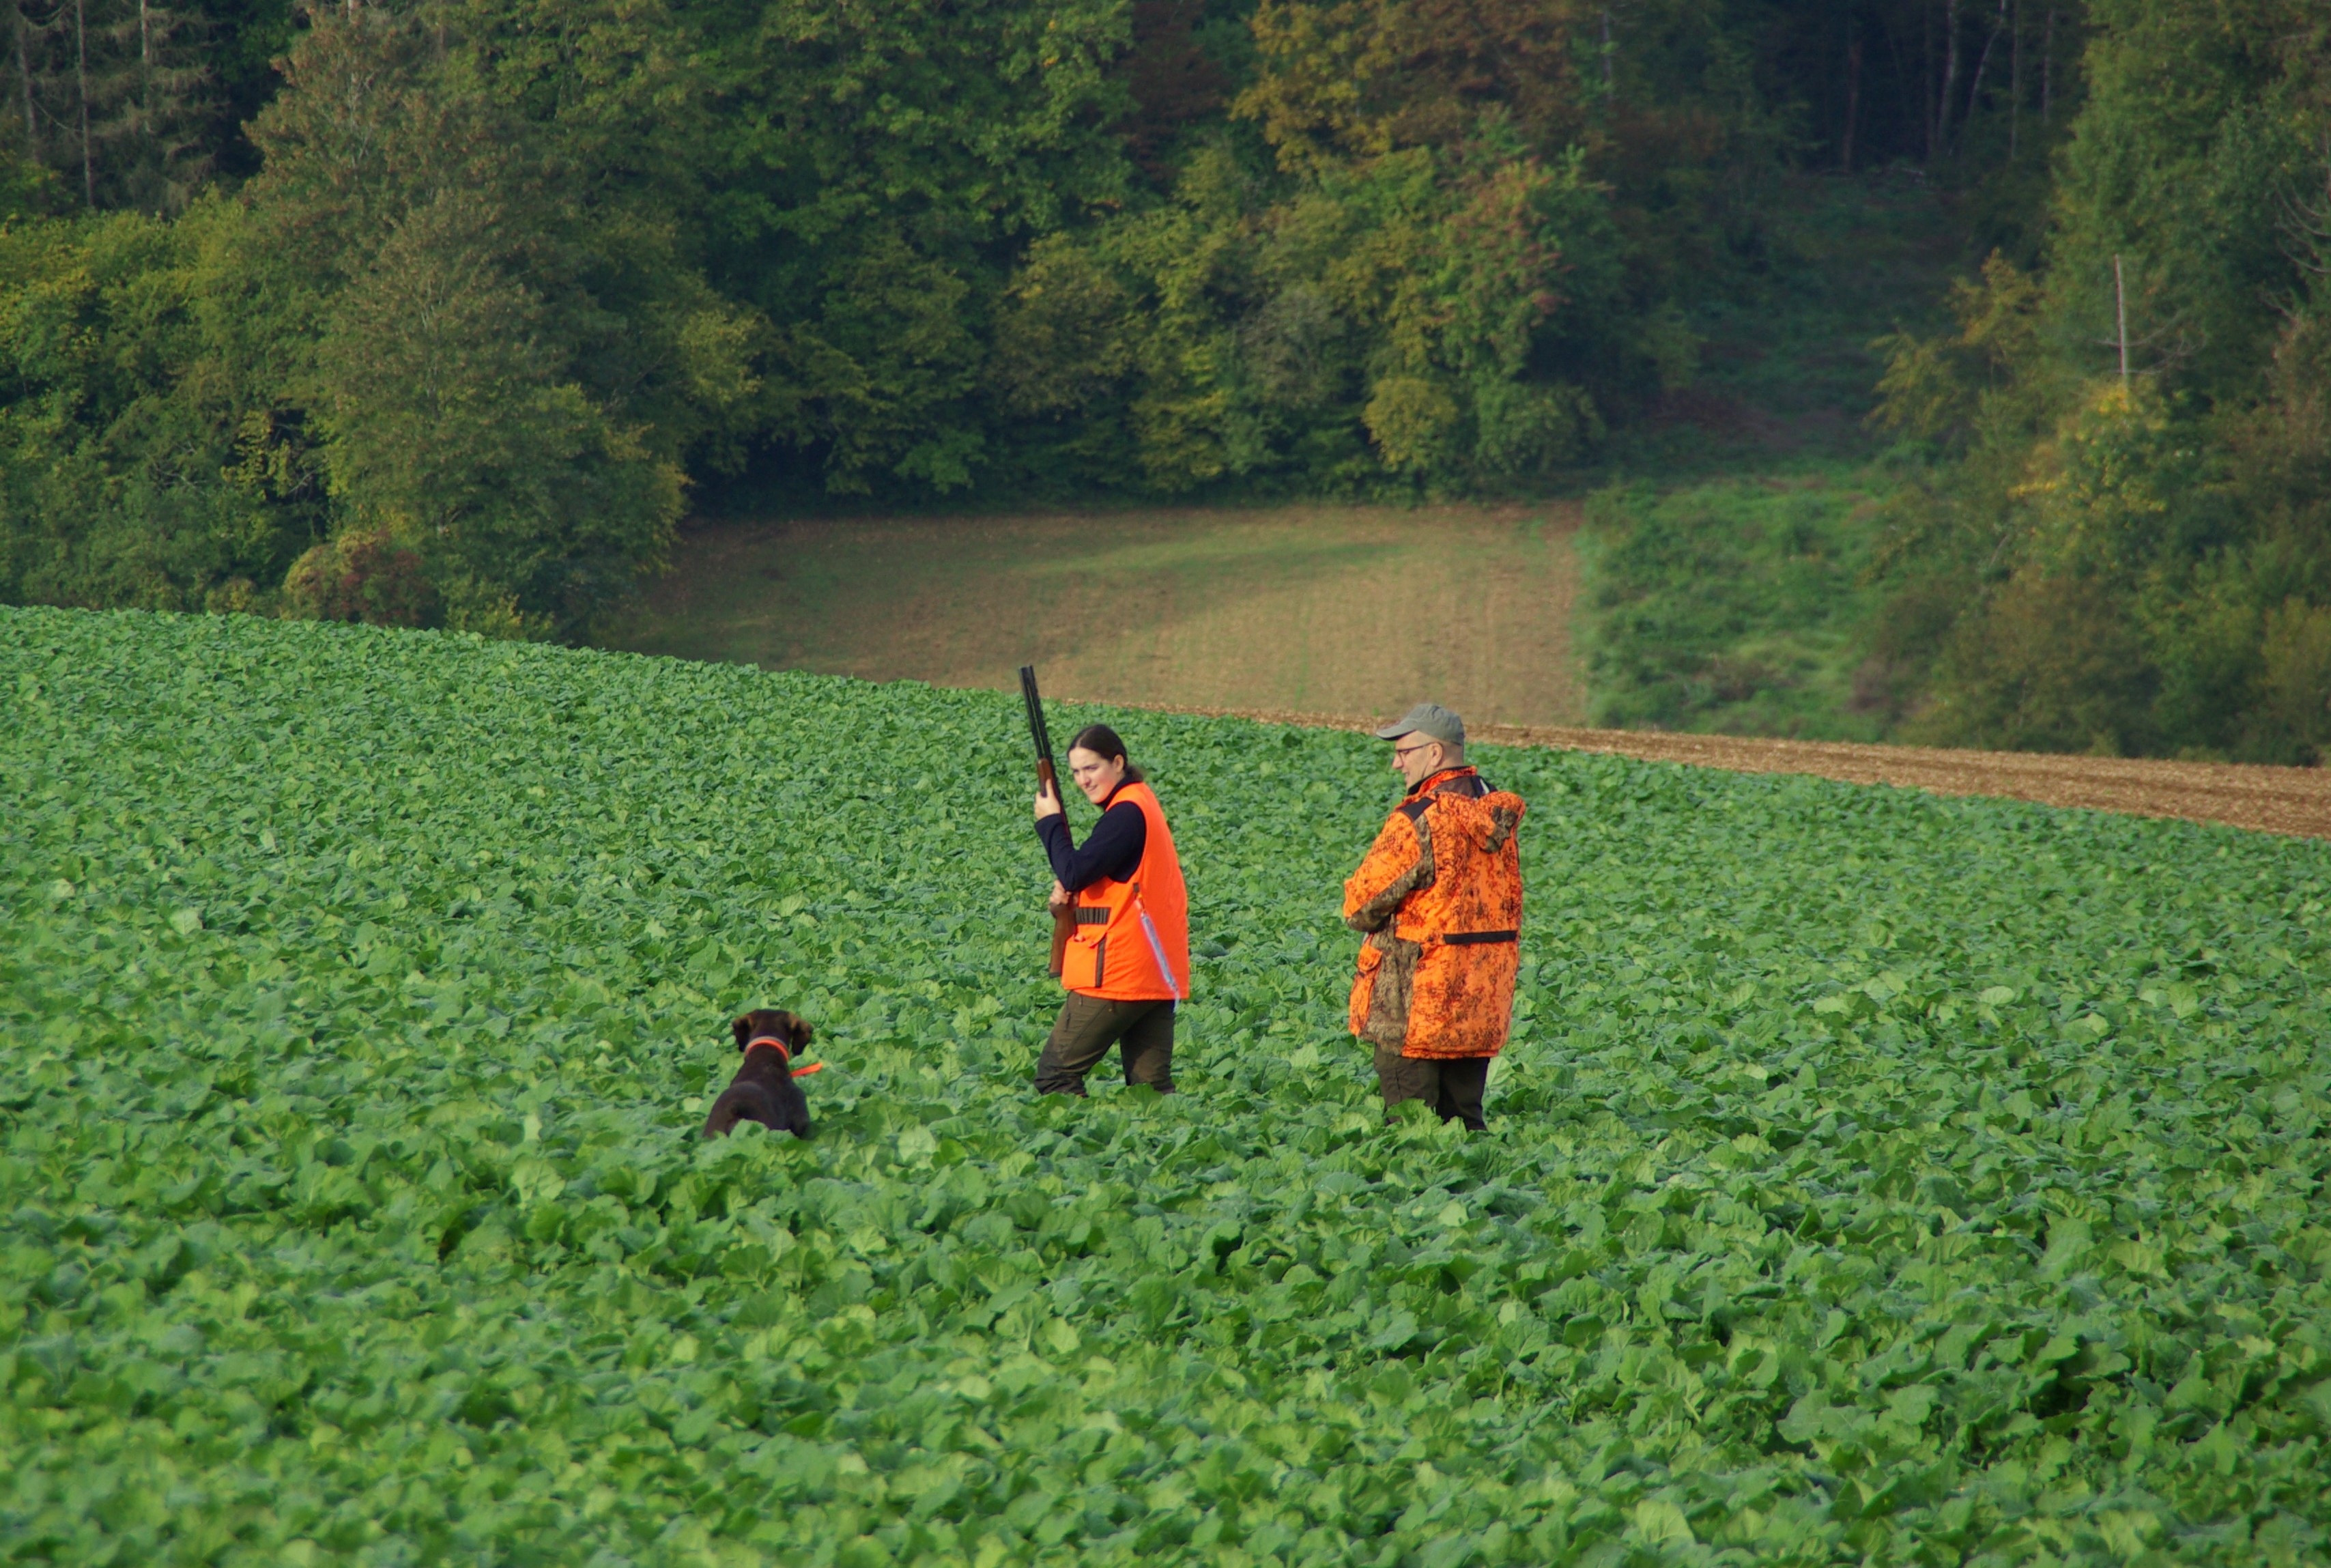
(1048, 780)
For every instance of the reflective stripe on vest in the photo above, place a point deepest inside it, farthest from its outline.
(1132, 941)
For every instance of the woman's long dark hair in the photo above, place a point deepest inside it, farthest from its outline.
(1102, 742)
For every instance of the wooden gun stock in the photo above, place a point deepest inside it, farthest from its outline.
(1064, 915)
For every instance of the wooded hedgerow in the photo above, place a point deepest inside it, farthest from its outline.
(485, 285)
(2128, 546)
(438, 318)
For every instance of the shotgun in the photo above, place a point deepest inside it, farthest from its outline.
(1047, 779)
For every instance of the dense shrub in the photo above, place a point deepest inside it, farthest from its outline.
(361, 577)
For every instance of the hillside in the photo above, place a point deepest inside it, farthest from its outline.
(1309, 607)
(1940, 372)
(1875, 1177)
(1719, 582)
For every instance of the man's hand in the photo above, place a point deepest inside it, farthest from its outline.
(1059, 895)
(1047, 804)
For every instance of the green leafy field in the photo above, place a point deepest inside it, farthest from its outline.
(1875, 1177)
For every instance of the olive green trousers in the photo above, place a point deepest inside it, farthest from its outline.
(1451, 1086)
(1088, 1025)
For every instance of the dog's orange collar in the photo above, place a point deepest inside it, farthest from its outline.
(785, 1055)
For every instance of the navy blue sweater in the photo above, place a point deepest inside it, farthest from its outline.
(1111, 851)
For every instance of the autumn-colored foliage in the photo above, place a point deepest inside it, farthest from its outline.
(361, 577)
(503, 280)
(2132, 516)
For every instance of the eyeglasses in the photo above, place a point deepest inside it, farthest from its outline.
(1401, 751)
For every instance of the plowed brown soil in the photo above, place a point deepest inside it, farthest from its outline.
(2273, 800)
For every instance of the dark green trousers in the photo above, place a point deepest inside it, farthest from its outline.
(1088, 1025)
(1452, 1087)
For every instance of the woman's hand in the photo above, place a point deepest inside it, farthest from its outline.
(1060, 896)
(1048, 805)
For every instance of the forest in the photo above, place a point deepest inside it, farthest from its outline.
(446, 313)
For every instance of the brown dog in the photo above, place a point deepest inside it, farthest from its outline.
(764, 1089)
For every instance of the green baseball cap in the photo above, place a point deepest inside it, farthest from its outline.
(1429, 719)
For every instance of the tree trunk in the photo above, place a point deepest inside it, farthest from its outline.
(1927, 75)
(2047, 66)
(2016, 82)
(2120, 312)
(81, 82)
(1940, 140)
(1852, 96)
(145, 80)
(24, 82)
(1982, 64)
(1911, 111)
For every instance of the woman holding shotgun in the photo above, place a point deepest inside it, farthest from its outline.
(1128, 961)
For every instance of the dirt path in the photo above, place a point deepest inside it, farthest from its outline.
(1315, 607)
(2274, 800)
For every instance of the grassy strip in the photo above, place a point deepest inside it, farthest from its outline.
(1297, 608)
(1735, 606)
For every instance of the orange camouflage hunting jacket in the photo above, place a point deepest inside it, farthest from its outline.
(1439, 899)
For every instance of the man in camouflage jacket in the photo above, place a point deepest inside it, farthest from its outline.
(1439, 900)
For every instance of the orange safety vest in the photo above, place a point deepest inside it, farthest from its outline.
(1438, 971)
(1133, 937)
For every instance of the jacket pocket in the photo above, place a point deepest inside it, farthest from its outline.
(1364, 987)
(1081, 965)
(1390, 980)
